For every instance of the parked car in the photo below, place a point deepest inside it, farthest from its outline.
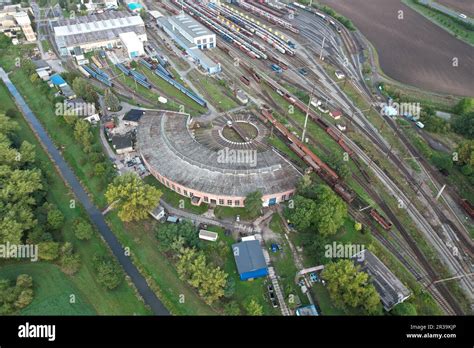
(270, 288)
(463, 16)
(420, 125)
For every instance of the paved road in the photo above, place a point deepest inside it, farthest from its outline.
(96, 216)
(200, 219)
(446, 10)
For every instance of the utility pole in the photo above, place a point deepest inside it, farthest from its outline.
(307, 115)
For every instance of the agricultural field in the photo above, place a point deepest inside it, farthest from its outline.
(412, 50)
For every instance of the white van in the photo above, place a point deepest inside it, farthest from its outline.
(420, 125)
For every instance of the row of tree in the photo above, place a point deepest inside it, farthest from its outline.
(22, 184)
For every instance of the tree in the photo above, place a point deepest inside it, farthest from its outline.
(253, 203)
(7, 125)
(15, 297)
(83, 134)
(348, 287)
(405, 309)
(111, 101)
(55, 218)
(464, 125)
(48, 250)
(232, 308)
(70, 262)
(109, 273)
(100, 169)
(252, 307)
(464, 106)
(229, 289)
(209, 280)
(85, 90)
(302, 213)
(169, 234)
(24, 298)
(442, 161)
(24, 281)
(465, 152)
(133, 197)
(314, 245)
(83, 230)
(331, 210)
(339, 165)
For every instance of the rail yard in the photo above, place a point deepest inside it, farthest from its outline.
(219, 101)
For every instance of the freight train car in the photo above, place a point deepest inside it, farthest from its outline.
(245, 80)
(467, 207)
(380, 220)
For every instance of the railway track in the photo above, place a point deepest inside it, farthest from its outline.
(413, 245)
(400, 249)
(365, 127)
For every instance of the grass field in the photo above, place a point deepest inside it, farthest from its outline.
(285, 265)
(52, 290)
(46, 45)
(218, 95)
(190, 106)
(120, 301)
(222, 212)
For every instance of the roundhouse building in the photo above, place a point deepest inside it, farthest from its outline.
(218, 162)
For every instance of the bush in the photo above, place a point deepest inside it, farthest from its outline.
(109, 273)
(83, 230)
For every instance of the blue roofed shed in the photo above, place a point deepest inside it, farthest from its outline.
(249, 260)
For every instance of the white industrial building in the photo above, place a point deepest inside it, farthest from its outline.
(132, 44)
(193, 31)
(96, 31)
(193, 37)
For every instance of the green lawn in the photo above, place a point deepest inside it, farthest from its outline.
(123, 299)
(218, 95)
(190, 106)
(46, 45)
(52, 290)
(326, 306)
(175, 199)
(222, 212)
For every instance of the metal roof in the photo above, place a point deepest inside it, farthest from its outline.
(98, 27)
(191, 26)
(248, 256)
(389, 287)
